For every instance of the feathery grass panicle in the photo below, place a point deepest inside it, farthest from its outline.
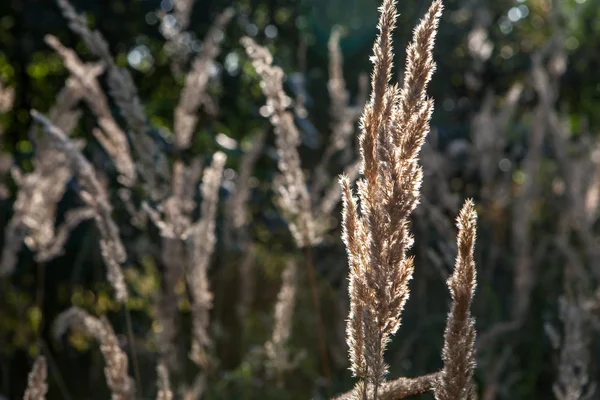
(36, 381)
(176, 225)
(304, 211)
(72, 219)
(126, 94)
(378, 239)
(110, 135)
(414, 106)
(455, 381)
(201, 245)
(113, 251)
(194, 91)
(293, 198)
(116, 369)
(175, 32)
(154, 168)
(372, 115)
(163, 382)
(121, 85)
(65, 113)
(353, 235)
(33, 221)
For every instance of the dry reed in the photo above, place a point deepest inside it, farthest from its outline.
(96, 197)
(194, 91)
(459, 339)
(394, 125)
(153, 167)
(200, 248)
(34, 218)
(116, 369)
(293, 196)
(36, 382)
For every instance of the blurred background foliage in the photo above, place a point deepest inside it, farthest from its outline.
(470, 67)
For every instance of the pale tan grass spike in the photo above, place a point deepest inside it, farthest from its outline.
(394, 126)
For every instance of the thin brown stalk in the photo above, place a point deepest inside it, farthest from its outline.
(321, 332)
(173, 217)
(167, 314)
(397, 389)
(132, 349)
(246, 284)
(55, 371)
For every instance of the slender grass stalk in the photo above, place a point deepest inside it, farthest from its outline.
(133, 351)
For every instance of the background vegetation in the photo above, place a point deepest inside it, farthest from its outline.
(536, 193)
